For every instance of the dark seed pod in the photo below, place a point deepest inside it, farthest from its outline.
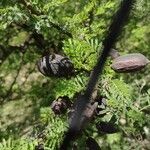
(129, 62)
(60, 105)
(92, 144)
(102, 103)
(106, 127)
(55, 65)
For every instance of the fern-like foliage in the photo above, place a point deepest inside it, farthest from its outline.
(22, 144)
(119, 96)
(68, 88)
(55, 128)
(82, 52)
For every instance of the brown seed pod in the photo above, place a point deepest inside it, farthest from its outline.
(129, 62)
(55, 66)
(61, 105)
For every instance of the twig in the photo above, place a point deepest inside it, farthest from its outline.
(146, 107)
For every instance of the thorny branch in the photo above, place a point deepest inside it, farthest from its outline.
(75, 124)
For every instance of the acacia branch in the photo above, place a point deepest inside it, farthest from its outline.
(33, 11)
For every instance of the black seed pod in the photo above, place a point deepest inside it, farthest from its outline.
(55, 65)
(129, 62)
(106, 127)
(92, 144)
(60, 105)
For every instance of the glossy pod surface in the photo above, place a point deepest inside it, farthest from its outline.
(129, 62)
(55, 65)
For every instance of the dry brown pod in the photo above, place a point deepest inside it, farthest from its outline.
(129, 62)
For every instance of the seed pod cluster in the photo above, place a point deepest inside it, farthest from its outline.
(55, 66)
(129, 62)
